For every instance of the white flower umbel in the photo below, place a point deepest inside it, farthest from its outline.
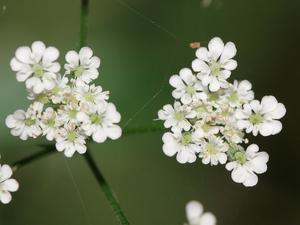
(261, 117)
(196, 216)
(36, 66)
(184, 144)
(213, 151)
(102, 123)
(69, 111)
(7, 184)
(247, 165)
(224, 113)
(214, 65)
(188, 87)
(83, 66)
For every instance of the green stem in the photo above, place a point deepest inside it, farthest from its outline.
(83, 23)
(49, 149)
(107, 190)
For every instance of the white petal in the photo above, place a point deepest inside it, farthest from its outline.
(51, 54)
(23, 54)
(72, 58)
(202, 53)
(194, 210)
(230, 64)
(95, 62)
(215, 47)
(270, 128)
(38, 49)
(251, 180)
(99, 136)
(11, 185)
(228, 52)
(200, 66)
(5, 197)
(170, 148)
(114, 132)
(278, 112)
(214, 85)
(268, 103)
(182, 157)
(176, 82)
(5, 172)
(208, 219)
(85, 54)
(187, 75)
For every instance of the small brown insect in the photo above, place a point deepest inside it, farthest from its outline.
(195, 45)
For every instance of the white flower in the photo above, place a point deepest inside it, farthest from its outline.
(50, 124)
(188, 87)
(261, 116)
(177, 117)
(24, 124)
(91, 95)
(213, 151)
(7, 184)
(70, 140)
(239, 93)
(185, 145)
(195, 215)
(83, 65)
(101, 124)
(36, 66)
(247, 165)
(60, 90)
(215, 64)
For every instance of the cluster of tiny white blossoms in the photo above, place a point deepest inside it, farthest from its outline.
(196, 216)
(66, 108)
(7, 184)
(210, 118)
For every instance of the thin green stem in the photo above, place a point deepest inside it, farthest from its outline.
(107, 190)
(48, 149)
(83, 23)
(51, 149)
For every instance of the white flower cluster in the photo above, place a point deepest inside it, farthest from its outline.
(7, 184)
(66, 108)
(195, 215)
(211, 117)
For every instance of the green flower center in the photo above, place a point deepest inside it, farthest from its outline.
(29, 121)
(211, 149)
(190, 90)
(42, 98)
(201, 109)
(179, 116)
(215, 68)
(88, 96)
(96, 118)
(72, 135)
(38, 70)
(186, 138)
(256, 118)
(213, 96)
(233, 97)
(78, 71)
(51, 122)
(240, 157)
(56, 90)
(73, 113)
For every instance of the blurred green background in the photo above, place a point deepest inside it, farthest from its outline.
(141, 43)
